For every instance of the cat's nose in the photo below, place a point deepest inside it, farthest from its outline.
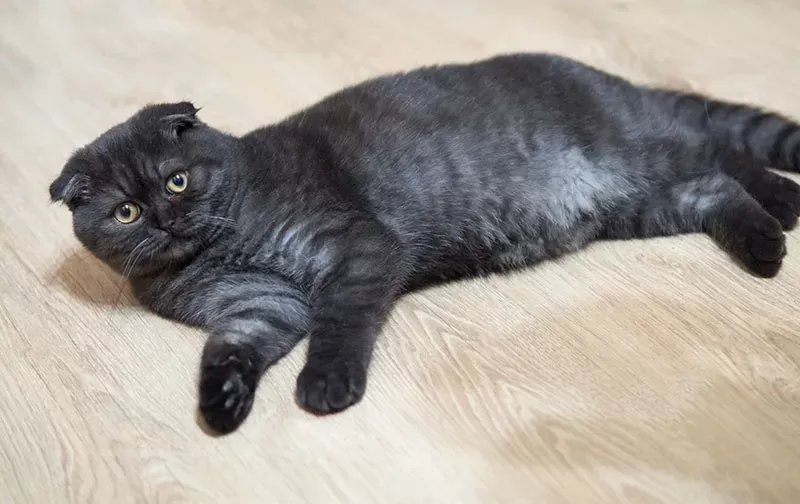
(166, 216)
(167, 224)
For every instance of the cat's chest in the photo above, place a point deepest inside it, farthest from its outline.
(248, 254)
(285, 250)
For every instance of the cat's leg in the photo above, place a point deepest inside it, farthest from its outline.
(748, 139)
(740, 225)
(778, 195)
(350, 300)
(766, 137)
(713, 203)
(254, 320)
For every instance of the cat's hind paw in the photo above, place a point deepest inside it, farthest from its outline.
(779, 196)
(762, 247)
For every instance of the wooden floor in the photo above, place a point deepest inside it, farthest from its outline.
(632, 372)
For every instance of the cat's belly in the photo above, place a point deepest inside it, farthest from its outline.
(509, 252)
(550, 245)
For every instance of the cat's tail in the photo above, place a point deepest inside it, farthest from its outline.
(768, 137)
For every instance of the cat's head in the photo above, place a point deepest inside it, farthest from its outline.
(152, 191)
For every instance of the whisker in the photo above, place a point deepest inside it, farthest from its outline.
(209, 216)
(133, 257)
(128, 264)
(216, 218)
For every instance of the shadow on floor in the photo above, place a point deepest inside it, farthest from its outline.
(85, 277)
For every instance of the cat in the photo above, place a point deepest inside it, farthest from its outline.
(313, 226)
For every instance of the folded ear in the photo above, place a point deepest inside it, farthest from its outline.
(71, 187)
(180, 117)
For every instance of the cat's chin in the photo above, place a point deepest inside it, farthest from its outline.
(178, 251)
(167, 255)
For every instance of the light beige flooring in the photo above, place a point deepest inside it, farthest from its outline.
(643, 372)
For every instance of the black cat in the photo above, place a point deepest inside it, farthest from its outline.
(313, 226)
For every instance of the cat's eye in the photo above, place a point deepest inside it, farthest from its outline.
(127, 212)
(177, 182)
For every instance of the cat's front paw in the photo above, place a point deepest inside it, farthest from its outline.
(227, 388)
(330, 386)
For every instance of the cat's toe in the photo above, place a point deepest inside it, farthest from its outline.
(764, 247)
(780, 197)
(785, 215)
(328, 387)
(226, 393)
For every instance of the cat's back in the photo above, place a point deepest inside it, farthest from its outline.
(524, 83)
(542, 73)
(399, 121)
(405, 126)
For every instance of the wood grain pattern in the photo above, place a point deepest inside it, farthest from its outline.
(637, 372)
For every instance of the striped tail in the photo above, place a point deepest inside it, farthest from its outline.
(768, 137)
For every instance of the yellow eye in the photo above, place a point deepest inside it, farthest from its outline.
(127, 212)
(177, 182)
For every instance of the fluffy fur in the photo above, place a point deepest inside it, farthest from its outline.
(313, 226)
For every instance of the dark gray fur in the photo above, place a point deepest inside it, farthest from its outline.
(313, 226)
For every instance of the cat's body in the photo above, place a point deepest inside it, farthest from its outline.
(314, 225)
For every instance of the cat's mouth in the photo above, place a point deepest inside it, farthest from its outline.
(159, 254)
(177, 248)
